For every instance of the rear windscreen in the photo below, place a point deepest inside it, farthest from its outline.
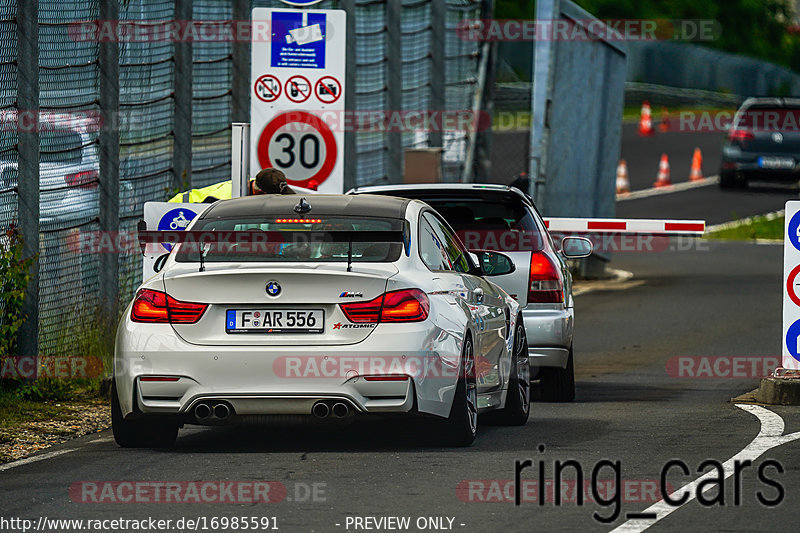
(770, 118)
(486, 224)
(323, 239)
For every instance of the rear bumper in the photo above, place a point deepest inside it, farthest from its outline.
(746, 167)
(549, 333)
(266, 380)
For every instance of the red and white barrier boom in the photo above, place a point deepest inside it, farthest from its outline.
(667, 228)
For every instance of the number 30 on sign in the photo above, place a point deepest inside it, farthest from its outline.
(301, 145)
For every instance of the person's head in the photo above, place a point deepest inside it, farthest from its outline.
(271, 181)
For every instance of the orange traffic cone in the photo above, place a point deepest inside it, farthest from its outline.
(663, 173)
(646, 120)
(664, 125)
(697, 166)
(623, 184)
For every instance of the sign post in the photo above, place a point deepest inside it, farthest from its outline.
(791, 284)
(240, 159)
(298, 101)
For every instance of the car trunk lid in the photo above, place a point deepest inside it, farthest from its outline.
(302, 288)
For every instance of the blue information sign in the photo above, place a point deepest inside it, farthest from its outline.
(298, 39)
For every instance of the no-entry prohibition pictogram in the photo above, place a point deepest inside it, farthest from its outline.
(267, 88)
(791, 285)
(328, 89)
(311, 129)
(298, 89)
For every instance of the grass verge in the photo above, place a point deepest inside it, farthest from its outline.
(758, 227)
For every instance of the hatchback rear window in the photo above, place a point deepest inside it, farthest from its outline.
(323, 239)
(486, 223)
(770, 118)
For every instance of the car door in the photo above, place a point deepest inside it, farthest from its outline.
(486, 302)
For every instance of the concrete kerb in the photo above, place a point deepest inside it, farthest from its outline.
(617, 280)
(772, 391)
(779, 391)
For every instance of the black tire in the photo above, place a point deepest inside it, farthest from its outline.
(558, 384)
(518, 400)
(460, 428)
(140, 433)
(727, 180)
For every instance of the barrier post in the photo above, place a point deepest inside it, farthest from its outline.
(240, 159)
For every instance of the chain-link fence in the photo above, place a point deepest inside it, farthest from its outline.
(176, 102)
(510, 153)
(211, 99)
(146, 125)
(68, 167)
(8, 135)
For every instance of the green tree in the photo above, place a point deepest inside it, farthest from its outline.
(13, 282)
(756, 28)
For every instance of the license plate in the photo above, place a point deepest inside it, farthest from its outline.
(275, 321)
(781, 163)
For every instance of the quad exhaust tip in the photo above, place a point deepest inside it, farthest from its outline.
(323, 409)
(320, 410)
(222, 411)
(202, 411)
(340, 410)
(205, 411)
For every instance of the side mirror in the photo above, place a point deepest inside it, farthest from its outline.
(576, 247)
(159, 264)
(494, 263)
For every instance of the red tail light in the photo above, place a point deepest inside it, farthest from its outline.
(158, 307)
(407, 305)
(87, 178)
(546, 284)
(363, 311)
(740, 135)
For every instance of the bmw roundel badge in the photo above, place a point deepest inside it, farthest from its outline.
(273, 288)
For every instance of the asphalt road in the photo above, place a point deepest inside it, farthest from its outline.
(716, 299)
(642, 154)
(708, 203)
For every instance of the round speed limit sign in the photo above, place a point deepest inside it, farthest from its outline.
(301, 145)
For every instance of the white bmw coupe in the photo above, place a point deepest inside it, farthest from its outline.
(363, 304)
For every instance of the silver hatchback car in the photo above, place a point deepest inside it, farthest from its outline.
(502, 218)
(68, 168)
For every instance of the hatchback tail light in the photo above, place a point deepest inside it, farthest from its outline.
(87, 178)
(739, 135)
(546, 283)
(406, 305)
(158, 307)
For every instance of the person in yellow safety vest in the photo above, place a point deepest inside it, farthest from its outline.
(267, 181)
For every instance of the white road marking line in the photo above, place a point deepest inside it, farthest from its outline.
(35, 458)
(770, 436)
(678, 187)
